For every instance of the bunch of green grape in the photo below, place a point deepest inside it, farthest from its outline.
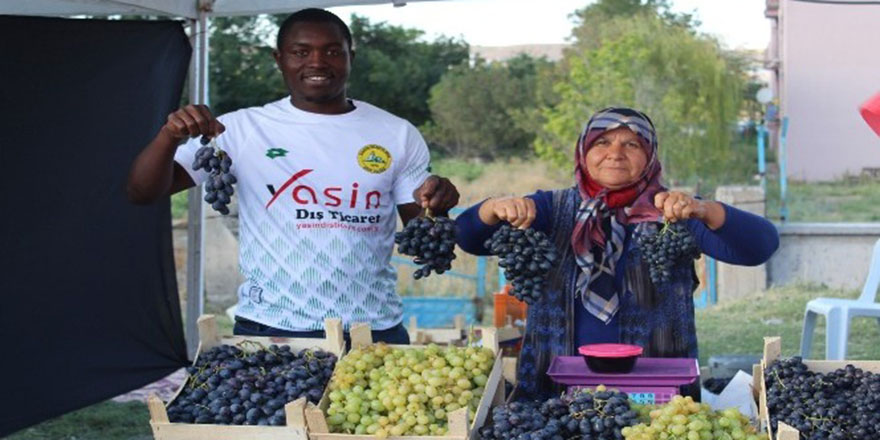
(684, 419)
(384, 391)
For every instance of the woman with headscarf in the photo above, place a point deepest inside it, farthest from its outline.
(600, 291)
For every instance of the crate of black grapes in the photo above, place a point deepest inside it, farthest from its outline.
(826, 400)
(408, 392)
(606, 413)
(250, 388)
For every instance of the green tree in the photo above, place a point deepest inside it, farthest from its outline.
(681, 79)
(591, 17)
(242, 69)
(475, 109)
(395, 68)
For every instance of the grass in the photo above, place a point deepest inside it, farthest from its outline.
(847, 200)
(179, 205)
(739, 327)
(103, 421)
(458, 169)
(512, 177)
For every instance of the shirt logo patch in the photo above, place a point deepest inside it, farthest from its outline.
(272, 153)
(255, 294)
(374, 159)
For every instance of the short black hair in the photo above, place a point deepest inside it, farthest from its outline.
(312, 15)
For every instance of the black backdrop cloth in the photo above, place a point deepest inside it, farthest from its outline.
(88, 299)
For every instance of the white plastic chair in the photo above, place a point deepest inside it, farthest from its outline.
(839, 311)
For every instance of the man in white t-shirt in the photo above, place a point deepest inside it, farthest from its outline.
(320, 177)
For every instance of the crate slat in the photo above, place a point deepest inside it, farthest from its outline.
(457, 426)
(295, 414)
(772, 352)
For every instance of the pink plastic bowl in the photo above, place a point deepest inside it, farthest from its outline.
(610, 358)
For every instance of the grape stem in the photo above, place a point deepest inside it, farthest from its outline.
(667, 228)
(782, 384)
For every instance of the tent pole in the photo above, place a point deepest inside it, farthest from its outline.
(195, 261)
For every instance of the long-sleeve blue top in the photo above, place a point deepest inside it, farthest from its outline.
(744, 239)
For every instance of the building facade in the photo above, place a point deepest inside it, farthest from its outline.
(825, 61)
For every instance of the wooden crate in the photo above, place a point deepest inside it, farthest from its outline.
(772, 351)
(458, 427)
(422, 336)
(295, 429)
(457, 335)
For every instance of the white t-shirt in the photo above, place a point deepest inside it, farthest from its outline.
(317, 197)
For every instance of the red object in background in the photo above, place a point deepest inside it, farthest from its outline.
(870, 110)
(508, 309)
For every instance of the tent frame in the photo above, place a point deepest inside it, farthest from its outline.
(197, 14)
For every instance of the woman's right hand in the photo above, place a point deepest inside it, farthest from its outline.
(191, 121)
(518, 211)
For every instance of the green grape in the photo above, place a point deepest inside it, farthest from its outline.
(384, 391)
(480, 379)
(682, 418)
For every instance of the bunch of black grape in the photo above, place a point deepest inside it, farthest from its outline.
(514, 420)
(843, 404)
(664, 248)
(582, 415)
(431, 240)
(228, 386)
(218, 187)
(602, 414)
(716, 385)
(526, 256)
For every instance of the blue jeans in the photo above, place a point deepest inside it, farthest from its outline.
(246, 327)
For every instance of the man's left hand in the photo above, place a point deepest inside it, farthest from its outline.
(437, 194)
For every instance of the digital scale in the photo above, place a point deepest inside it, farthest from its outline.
(652, 381)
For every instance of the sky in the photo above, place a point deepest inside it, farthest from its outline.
(737, 23)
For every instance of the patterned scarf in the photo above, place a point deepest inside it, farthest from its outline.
(595, 253)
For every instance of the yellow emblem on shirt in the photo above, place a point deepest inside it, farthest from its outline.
(374, 158)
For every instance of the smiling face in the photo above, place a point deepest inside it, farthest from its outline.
(616, 159)
(315, 61)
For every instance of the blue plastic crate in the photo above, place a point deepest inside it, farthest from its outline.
(432, 312)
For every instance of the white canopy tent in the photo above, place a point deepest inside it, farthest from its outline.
(191, 9)
(197, 13)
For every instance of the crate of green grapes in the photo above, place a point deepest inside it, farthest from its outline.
(405, 392)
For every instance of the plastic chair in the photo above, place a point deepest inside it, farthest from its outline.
(839, 311)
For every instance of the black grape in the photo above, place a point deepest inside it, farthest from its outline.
(664, 248)
(431, 241)
(229, 386)
(527, 256)
(218, 187)
(582, 415)
(842, 404)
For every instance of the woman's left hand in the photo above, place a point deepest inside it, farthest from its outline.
(677, 206)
